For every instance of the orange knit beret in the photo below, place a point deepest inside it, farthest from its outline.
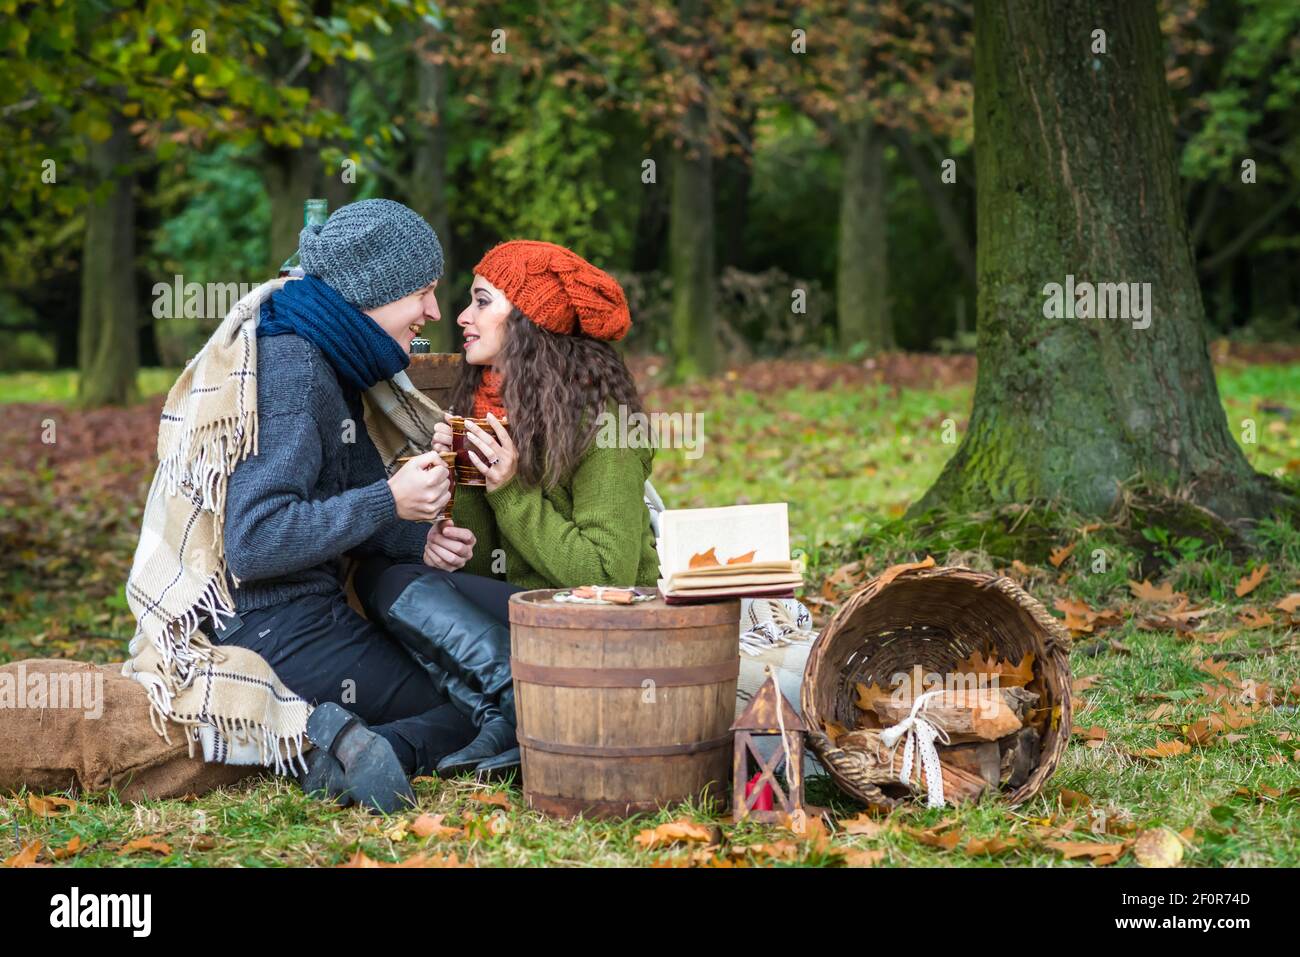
(557, 289)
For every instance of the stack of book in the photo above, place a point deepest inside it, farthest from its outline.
(711, 554)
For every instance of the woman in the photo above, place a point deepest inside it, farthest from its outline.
(557, 509)
(562, 510)
(316, 491)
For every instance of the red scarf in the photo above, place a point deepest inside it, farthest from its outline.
(487, 398)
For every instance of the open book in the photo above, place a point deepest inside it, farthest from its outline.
(714, 553)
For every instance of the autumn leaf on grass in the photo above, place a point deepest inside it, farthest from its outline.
(863, 824)
(1101, 854)
(741, 559)
(1181, 618)
(73, 847)
(1250, 582)
(498, 798)
(1085, 683)
(1220, 670)
(150, 843)
(50, 806)
(1163, 749)
(1163, 711)
(1093, 737)
(430, 825)
(421, 859)
(863, 858)
(842, 577)
(893, 571)
(26, 857)
(674, 832)
(1059, 555)
(1290, 604)
(1145, 591)
(932, 837)
(993, 846)
(703, 559)
(1254, 619)
(1074, 798)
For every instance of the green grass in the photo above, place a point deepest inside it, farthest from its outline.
(61, 385)
(847, 460)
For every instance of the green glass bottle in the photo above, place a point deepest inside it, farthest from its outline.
(313, 211)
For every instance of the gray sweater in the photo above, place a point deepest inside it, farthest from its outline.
(316, 488)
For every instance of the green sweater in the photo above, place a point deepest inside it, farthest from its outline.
(593, 529)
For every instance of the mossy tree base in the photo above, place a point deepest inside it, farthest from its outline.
(1077, 177)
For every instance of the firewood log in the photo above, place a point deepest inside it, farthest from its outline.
(974, 715)
(1020, 753)
(981, 758)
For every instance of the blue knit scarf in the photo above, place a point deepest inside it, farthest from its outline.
(358, 348)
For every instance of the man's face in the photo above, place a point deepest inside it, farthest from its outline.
(404, 318)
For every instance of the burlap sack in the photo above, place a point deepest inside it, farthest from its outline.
(70, 724)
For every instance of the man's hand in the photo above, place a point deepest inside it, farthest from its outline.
(421, 487)
(448, 546)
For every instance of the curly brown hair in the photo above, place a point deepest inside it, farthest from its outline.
(554, 388)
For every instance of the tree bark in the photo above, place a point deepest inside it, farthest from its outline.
(862, 276)
(428, 192)
(109, 350)
(292, 177)
(690, 251)
(1076, 175)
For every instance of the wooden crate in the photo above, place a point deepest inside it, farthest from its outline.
(434, 374)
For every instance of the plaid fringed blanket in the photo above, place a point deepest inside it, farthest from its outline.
(228, 698)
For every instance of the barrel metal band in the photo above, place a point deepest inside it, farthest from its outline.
(643, 751)
(560, 677)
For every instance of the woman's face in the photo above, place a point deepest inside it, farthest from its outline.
(404, 318)
(483, 322)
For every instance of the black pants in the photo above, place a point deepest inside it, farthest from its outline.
(324, 651)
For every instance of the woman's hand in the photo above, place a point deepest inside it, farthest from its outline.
(499, 456)
(442, 436)
(421, 487)
(448, 546)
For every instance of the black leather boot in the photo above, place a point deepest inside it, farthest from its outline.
(467, 654)
(496, 733)
(352, 763)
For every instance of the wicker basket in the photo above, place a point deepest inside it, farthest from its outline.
(935, 618)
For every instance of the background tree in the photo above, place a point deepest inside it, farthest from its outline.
(1077, 175)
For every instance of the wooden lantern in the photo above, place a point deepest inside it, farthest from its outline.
(769, 715)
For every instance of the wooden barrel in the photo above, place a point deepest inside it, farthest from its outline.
(623, 709)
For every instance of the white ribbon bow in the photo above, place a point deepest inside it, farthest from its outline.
(918, 729)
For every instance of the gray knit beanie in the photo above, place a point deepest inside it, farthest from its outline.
(372, 252)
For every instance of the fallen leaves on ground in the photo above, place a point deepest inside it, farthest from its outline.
(676, 832)
(150, 843)
(1250, 582)
(26, 857)
(1059, 555)
(50, 806)
(1145, 591)
(1163, 749)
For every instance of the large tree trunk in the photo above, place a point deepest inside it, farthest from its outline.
(1076, 175)
(109, 351)
(429, 190)
(862, 276)
(332, 84)
(292, 178)
(690, 251)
